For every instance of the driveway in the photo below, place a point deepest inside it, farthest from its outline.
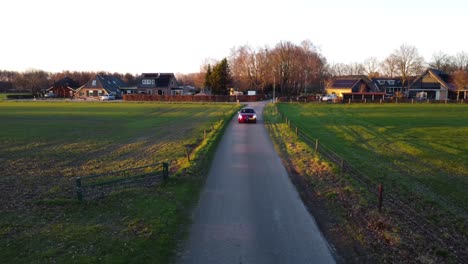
(249, 211)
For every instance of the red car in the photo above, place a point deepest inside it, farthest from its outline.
(247, 115)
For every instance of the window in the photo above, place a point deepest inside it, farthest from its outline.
(391, 82)
(381, 82)
(94, 83)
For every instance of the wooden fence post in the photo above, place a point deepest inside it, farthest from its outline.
(79, 190)
(297, 132)
(380, 197)
(316, 145)
(187, 152)
(204, 134)
(165, 170)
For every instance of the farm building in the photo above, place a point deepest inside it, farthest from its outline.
(101, 85)
(63, 88)
(158, 84)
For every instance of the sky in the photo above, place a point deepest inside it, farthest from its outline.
(179, 36)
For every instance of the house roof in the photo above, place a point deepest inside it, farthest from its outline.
(442, 77)
(348, 82)
(65, 82)
(161, 79)
(109, 83)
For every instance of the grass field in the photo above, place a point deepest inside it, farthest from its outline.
(419, 153)
(45, 145)
(422, 148)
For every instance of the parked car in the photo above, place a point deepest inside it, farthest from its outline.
(107, 97)
(50, 95)
(247, 115)
(329, 97)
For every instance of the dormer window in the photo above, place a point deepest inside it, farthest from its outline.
(381, 82)
(94, 83)
(391, 82)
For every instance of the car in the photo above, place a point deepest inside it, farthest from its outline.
(329, 97)
(49, 95)
(107, 97)
(247, 115)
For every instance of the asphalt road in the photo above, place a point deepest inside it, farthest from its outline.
(249, 211)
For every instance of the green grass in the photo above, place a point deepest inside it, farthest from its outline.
(45, 145)
(419, 153)
(421, 148)
(3, 96)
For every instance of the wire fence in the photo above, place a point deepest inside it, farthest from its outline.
(444, 237)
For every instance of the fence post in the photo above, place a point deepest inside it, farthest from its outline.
(316, 145)
(165, 170)
(342, 167)
(187, 152)
(79, 190)
(380, 197)
(297, 132)
(204, 134)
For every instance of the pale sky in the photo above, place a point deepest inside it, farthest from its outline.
(178, 35)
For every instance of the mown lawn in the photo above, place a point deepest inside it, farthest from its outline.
(45, 145)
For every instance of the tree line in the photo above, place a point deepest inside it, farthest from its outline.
(287, 69)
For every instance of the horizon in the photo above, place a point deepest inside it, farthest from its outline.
(158, 36)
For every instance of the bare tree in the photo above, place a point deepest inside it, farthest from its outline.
(460, 78)
(408, 62)
(371, 67)
(389, 67)
(442, 61)
(461, 61)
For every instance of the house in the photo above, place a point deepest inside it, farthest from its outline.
(63, 88)
(353, 87)
(436, 85)
(391, 86)
(101, 85)
(158, 84)
(431, 84)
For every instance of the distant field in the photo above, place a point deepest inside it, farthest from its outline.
(422, 148)
(45, 145)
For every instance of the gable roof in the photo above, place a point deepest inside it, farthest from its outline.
(109, 83)
(349, 82)
(65, 82)
(441, 77)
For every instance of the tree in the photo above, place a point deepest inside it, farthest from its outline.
(389, 67)
(371, 67)
(220, 78)
(461, 61)
(207, 83)
(408, 62)
(460, 78)
(442, 62)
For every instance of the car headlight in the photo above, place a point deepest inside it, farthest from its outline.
(255, 116)
(239, 116)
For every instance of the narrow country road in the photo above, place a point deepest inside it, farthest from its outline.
(249, 211)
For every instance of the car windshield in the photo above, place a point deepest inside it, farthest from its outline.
(248, 111)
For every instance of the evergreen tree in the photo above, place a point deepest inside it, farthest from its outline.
(221, 78)
(208, 77)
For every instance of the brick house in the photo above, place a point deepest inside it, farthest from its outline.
(351, 86)
(63, 88)
(158, 84)
(436, 85)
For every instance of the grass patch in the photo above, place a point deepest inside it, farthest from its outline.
(45, 145)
